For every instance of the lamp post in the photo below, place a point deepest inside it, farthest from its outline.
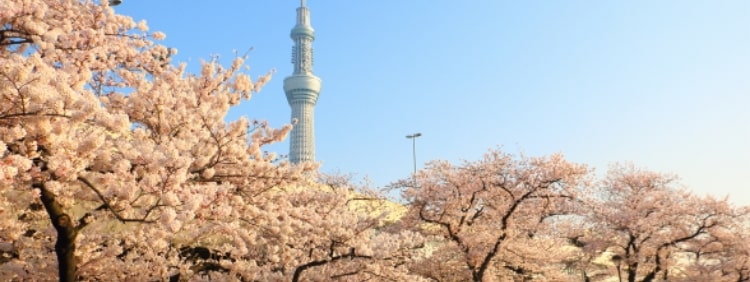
(617, 260)
(413, 138)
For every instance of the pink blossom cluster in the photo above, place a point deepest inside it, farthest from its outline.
(116, 164)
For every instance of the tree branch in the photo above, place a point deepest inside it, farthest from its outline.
(106, 205)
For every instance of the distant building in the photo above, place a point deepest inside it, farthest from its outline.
(302, 89)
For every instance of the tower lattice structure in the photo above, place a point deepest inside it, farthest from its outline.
(302, 89)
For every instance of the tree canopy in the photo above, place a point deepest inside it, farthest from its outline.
(116, 163)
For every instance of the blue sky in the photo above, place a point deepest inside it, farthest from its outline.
(661, 84)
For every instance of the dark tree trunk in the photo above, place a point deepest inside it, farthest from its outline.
(632, 272)
(67, 263)
(66, 235)
(477, 277)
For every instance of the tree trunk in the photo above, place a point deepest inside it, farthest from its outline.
(67, 232)
(477, 277)
(67, 263)
(632, 273)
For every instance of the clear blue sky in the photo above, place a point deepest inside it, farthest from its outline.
(661, 84)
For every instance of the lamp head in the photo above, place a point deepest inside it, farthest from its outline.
(617, 259)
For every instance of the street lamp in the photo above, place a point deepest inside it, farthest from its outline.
(413, 138)
(617, 259)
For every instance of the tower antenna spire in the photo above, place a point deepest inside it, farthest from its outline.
(302, 3)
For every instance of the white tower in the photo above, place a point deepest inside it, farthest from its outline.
(302, 89)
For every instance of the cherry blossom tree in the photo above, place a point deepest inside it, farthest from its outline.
(723, 256)
(117, 164)
(98, 131)
(313, 232)
(656, 230)
(492, 217)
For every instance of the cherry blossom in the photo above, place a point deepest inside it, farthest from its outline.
(118, 164)
(657, 230)
(113, 145)
(489, 216)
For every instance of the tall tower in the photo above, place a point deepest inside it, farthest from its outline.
(302, 89)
